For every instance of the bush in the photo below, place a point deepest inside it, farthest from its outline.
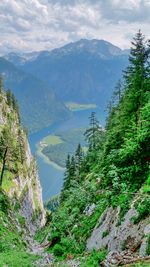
(105, 233)
(94, 259)
(4, 247)
(148, 246)
(143, 210)
(58, 250)
(4, 203)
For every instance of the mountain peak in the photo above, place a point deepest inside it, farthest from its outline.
(101, 48)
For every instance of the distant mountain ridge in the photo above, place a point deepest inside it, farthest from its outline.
(85, 71)
(20, 59)
(38, 104)
(99, 47)
(102, 48)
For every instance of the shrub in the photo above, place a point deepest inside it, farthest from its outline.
(58, 250)
(105, 233)
(4, 203)
(94, 259)
(148, 246)
(143, 210)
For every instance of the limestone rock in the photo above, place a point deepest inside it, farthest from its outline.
(89, 209)
(123, 237)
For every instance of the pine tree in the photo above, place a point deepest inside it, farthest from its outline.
(9, 97)
(67, 174)
(78, 160)
(93, 133)
(125, 130)
(21, 146)
(116, 98)
(72, 170)
(136, 83)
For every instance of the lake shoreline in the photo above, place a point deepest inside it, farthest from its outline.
(51, 175)
(47, 160)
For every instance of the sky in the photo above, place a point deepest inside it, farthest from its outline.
(34, 25)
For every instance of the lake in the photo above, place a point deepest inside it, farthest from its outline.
(51, 177)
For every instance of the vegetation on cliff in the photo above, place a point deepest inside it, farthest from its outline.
(21, 207)
(13, 247)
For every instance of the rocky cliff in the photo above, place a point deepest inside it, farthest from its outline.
(20, 179)
(125, 240)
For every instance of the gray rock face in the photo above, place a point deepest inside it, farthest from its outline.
(126, 236)
(90, 209)
(31, 198)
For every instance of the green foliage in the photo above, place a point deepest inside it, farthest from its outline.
(93, 134)
(70, 226)
(143, 210)
(21, 220)
(94, 259)
(146, 186)
(12, 143)
(41, 234)
(105, 233)
(58, 250)
(52, 204)
(4, 203)
(12, 247)
(17, 259)
(115, 167)
(12, 102)
(148, 245)
(126, 147)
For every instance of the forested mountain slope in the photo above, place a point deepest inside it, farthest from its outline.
(103, 216)
(38, 104)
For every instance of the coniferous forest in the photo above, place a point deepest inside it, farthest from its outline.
(115, 170)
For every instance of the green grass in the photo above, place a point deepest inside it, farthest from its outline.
(94, 258)
(76, 106)
(8, 182)
(17, 259)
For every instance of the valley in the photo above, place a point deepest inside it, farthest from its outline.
(50, 85)
(50, 171)
(75, 191)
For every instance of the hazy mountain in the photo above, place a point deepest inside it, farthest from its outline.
(38, 103)
(18, 59)
(84, 71)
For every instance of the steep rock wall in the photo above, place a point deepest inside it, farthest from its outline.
(20, 180)
(123, 236)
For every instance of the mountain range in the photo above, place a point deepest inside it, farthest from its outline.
(85, 71)
(38, 104)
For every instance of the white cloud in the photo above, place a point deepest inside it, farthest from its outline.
(44, 24)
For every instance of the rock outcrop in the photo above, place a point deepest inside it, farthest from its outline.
(120, 237)
(20, 182)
